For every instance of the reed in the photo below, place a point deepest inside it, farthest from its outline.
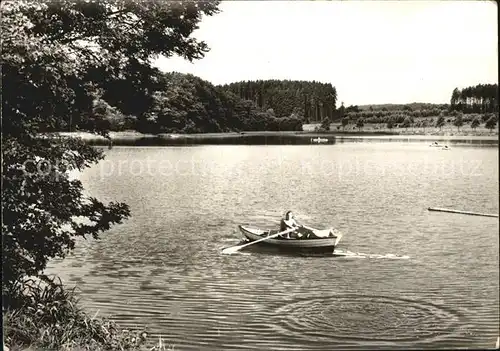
(48, 317)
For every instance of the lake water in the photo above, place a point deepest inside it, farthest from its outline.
(410, 278)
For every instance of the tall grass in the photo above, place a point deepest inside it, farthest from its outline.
(48, 317)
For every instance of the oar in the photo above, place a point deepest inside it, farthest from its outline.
(233, 249)
(339, 236)
(462, 212)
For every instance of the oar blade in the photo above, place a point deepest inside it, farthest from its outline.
(339, 237)
(230, 250)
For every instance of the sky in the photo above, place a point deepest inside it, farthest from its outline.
(373, 52)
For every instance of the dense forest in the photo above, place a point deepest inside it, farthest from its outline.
(147, 100)
(150, 101)
(475, 99)
(314, 101)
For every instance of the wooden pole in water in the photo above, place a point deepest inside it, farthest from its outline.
(462, 212)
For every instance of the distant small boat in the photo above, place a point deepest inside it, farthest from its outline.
(327, 240)
(445, 147)
(319, 140)
(435, 144)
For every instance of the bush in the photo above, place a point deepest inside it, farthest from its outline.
(491, 123)
(458, 122)
(345, 122)
(440, 122)
(360, 123)
(475, 123)
(407, 122)
(325, 124)
(47, 317)
(487, 116)
(285, 124)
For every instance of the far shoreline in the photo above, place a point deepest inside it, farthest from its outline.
(133, 138)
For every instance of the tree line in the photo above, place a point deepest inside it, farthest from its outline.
(314, 101)
(478, 98)
(406, 121)
(150, 101)
(476, 104)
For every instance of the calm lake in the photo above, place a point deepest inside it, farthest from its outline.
(410, 278)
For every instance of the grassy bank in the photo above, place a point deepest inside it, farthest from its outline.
(370, 129)
(48, 317)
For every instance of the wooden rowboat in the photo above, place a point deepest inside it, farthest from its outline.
(325, 242)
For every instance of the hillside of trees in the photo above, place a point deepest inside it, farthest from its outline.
(314, 101)
(414, 106)
(475, 99)
(474, 105)
(150, 101)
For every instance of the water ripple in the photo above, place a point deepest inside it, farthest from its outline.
(162, 269)
(366, 318)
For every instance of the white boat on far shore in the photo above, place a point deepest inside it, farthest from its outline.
(319, 140)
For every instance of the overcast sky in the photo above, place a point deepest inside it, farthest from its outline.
(371, 51)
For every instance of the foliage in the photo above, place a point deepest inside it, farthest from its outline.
(424, 124)
(475, 123)
(390, 124)
(380, 116)
(440, 122)
(185, 103)
(491, 123)
(360, 123)
(325, 124)
(58, 59)
(345, 122)
(313, 100)
(478, 98)
(48, 318)
(107, 117)
(485, 117)
(342, 111)
(458, 122)
(407, 123)
(415, 106)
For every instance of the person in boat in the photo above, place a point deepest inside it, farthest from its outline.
(289, 222)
